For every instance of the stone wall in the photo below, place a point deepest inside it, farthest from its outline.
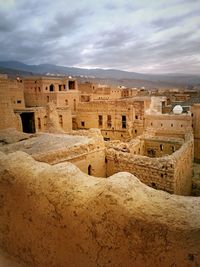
(58, 216)
(172, 173)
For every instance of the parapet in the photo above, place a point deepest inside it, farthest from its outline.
(59, 216)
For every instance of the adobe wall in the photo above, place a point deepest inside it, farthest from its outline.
(38, 94)
(88, 117)
(195, 109)
(161, 146)
(169, 124)
(172, 173)
(183, 159)
(78, 220)
(83, 155)
(7, 117)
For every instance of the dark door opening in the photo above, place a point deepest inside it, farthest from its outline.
(89, 170)
(28, 122)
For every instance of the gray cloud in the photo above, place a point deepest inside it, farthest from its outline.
(130, 35)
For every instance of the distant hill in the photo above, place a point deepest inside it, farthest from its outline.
(44, 69)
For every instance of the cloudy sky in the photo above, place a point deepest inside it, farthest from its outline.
(149, 36)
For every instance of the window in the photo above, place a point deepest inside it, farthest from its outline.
(173, 149)
(61, 120)
(83, 123)
(161, 124)
(100, 120)
(19, 101)
(172, 125)
(74, 104)
(51, 88)
(151, 123)
(136, 117)
(47, 98)
(60, 87)
(71, 85)
(46, 88)
(89, 170)
(109, 121)
(123, 121)
(66, 102)
(64, 86)
(39, 89)
(161, 147)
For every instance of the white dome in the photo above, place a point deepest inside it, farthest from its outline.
(177, 109)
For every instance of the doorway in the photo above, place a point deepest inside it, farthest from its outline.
(28, 122)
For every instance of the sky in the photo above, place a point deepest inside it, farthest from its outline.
(146, 36)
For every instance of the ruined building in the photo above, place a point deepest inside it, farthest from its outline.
(79, 165)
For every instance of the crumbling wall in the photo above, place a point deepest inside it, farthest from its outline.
(155, 172)
(58, 216)
(172, 173)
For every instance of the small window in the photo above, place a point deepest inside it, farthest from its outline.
(151, 123)
(51, 88)
(162, 175)
(19, 101)
(161, 147)
(100, 120)
(136, 117)
(172, 125)
(47, 98)
(64, 86)
(123, 121)
(39, 89)
(61, 120)
(173, 149)
(83, 123)
(89, 170)
(161, 125)
(46, 88)
(71, 85)
(135, 131)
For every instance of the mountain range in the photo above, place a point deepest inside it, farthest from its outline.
(16, 67)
